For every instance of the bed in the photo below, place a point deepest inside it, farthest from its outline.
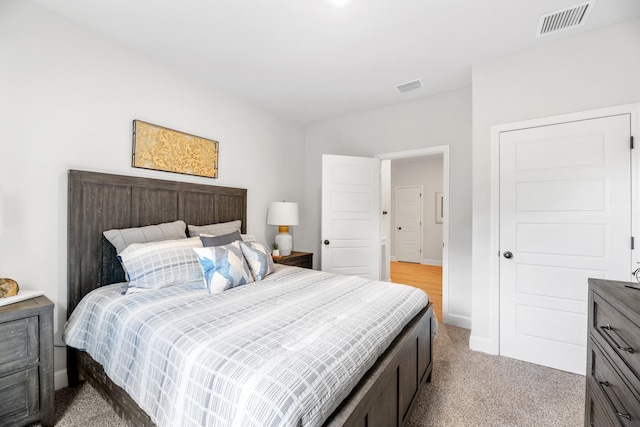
(384, 396)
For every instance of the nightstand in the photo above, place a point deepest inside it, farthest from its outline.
(296, 259)
(26, 363)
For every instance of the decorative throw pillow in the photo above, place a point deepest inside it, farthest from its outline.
(259, 259)
(223, 267)
(157, 265)
(215, 229)
(221, 240)
(121, 238)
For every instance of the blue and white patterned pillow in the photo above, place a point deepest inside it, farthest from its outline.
(160, 264)
(259, 259)
(223, 267)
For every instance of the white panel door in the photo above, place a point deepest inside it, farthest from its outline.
(565, 216)
(409, 223)
(351, 215)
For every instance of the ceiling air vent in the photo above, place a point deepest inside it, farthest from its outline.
(406, 87)
(563, 19)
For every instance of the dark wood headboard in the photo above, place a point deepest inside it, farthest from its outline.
(99, 202)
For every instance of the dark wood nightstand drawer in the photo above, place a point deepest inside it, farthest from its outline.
(19, 347)
(296, 259)
(19, 401)
(26, 363)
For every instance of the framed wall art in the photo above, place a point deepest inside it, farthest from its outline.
(159, 148)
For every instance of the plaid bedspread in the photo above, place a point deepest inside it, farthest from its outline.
(281, 352)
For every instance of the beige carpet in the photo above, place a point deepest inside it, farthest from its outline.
(467, 389)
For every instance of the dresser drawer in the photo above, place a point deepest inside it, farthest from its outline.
(617, 398)
(619, 337)
(19, 397)
(19, 347)
(595, 414)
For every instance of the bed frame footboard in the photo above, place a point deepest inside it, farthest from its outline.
(386, 395)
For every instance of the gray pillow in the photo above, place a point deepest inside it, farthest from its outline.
(215, 229)
(221, 240)
(121, 238)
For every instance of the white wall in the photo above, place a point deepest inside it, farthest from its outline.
(427, 172)
(583, 72)
(444, 119)
(68, 96)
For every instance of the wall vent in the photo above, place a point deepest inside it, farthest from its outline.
(563, 19)
(405, 87)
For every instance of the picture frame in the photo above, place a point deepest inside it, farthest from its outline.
(439, 207)
(159, 148)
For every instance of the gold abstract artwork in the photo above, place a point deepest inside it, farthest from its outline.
(158, 148)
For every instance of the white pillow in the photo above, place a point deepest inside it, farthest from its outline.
(259, 259)
(121, 238)
(215, 229)
(157, 265)
(223, 267)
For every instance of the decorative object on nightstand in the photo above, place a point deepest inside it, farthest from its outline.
(276, 250)
(296, 259)
(8, 287)
(283, 214)
(26, 363)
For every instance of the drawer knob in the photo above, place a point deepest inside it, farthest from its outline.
(607, 329)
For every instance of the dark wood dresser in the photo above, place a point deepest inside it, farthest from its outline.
(296, 259)
(26, 363)
(613, 355)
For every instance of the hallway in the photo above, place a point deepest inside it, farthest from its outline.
(425, 277)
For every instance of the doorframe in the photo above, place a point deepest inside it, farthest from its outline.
(421, 217)
(456, 320)
(493, 345)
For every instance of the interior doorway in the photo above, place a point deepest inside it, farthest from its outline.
(431, 271)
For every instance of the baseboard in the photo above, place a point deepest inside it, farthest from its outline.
(484, 345)
(393, 258)
(60, 379)
(457, 320)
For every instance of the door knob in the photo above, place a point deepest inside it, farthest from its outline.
(399, 228)
(326, 242)
(508, 255)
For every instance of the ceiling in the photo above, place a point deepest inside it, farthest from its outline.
(309, 61)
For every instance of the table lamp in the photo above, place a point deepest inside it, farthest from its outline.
(283, 214)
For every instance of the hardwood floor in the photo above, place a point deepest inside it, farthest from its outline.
(425, 277)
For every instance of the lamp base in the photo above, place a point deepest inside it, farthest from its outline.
(285, 243)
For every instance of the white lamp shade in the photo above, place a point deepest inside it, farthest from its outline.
(283, 213)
